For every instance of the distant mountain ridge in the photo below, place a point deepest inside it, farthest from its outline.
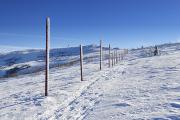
(13, 63)
(6, 49)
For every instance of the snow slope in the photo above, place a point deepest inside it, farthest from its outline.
(147, 88)
(33, 60)
(139, 87)
(6, 49)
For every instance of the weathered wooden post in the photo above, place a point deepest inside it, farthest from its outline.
(109, 55)
(122, 55)
(81, 61)
(112, 58)
(47, 55)
(116, 57)
(100, 55)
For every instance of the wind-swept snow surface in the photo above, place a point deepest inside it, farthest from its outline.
(137, 88)
(146, 88)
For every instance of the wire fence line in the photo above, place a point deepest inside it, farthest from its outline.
(102, 56)
(38, 61)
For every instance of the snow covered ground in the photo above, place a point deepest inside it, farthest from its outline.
(139, 87)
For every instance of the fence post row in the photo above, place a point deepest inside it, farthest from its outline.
(109, 55)
(47, 54)
(81, 61)
(112, 56)
(100, 54)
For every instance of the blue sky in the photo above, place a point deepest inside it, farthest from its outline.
(123, 23)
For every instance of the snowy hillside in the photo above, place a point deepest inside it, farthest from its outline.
(5, 49)
(33, 60)
(140, 87)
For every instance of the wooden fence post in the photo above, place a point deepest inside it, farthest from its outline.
(116, 57)
(109, 55)
(81, 61)
(112, 58)
(100, 54)
(122, 55)
(47, 54)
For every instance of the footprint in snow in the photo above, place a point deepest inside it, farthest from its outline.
(123, 72)
(173, 117)
(175, 105)
(120, 105)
